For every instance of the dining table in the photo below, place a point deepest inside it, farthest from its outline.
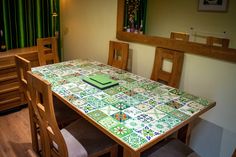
(135, 111)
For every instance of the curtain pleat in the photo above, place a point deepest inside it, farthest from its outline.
(23, 21)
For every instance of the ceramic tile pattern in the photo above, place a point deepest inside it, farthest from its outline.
(136, 111)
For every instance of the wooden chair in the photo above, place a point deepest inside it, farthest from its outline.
(50, 55)
(118, 54)
(22, 66)
(64, 115)
(213, 41)
(179, 36)
(170, 148)
(169, 78)
(77, 139)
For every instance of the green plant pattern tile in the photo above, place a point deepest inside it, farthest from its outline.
(134, 140)
(165, 108)
(121, 105)
(110, 100)
(180, 115)
(108, 122)
(147, 133)
(188, 110)
(109, 110)
(132, 111)
(203, 101)
(120, 130)
(87, 108)
(143, 107)
(170, 120)
(134, 124)
(155, 114)
(174, 104)
(159, 126)
(97, 115)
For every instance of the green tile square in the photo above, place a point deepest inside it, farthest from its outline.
(111, 91)
(110, 100)
(97, 115)
(134, 140)
(174, 104)
(120, 130)
(87, 108)
(180, 115)
(203, 101)
(165, 108)
(121, 105)
(148, 133)
(108, 122)
(170, 120)
(177, 92)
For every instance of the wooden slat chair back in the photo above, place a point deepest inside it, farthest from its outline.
(55, 143)
(22, 66)
(171, 78)
(45, 55)
(179, 36)
(118, 54)
(214, 41)
(41, 95)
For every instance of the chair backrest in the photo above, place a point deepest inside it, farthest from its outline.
(42, 102)
(22, 66)
(179, 36)
(47, 55)
(171, 78)
(214, 41)
(118, 54)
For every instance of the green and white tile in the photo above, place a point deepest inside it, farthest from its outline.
(108, 122)
(97, 115)
(120, 130)
(134, 140)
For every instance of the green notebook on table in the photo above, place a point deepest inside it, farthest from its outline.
(100, 81)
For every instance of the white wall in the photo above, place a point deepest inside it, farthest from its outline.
(87, 27)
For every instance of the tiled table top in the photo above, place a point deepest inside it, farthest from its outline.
(136, 111)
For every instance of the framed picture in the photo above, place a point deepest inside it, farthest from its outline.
(212, 5)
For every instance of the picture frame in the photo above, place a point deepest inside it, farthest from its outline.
(213, 5)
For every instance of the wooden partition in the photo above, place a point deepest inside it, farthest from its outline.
(10, 95)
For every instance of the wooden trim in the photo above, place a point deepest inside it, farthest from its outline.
(12, 76)
(226, 54)
(7, 66)
(9, 87)
(10, 100)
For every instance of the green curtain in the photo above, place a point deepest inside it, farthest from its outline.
(23, 21)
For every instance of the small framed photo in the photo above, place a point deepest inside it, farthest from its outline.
(212, 5)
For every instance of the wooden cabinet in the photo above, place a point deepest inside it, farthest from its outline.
(10, 95)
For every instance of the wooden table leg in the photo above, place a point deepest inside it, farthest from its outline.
(184, 133)
(128, 153)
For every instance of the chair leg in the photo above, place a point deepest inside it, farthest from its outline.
(184, 133)
(114, 151)
(33, 127)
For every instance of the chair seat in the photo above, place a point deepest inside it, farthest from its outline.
(75, 149)
(91, 139)
(170, 148)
